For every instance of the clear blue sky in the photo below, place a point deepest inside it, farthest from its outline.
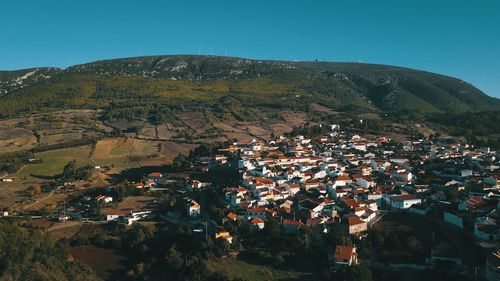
(460, 38)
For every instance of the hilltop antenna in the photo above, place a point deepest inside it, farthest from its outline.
(211, 53)
(225, 53)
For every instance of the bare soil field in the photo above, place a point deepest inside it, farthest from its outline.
(13, 139)
(224, 128)
(56, 127)
(293, 119)
(133, 203)
(48, 201)
(156, 161)
(238, 136)
(197, 121)
(258, 131)
(165, 131)
(280, 129)
(148, 132)
(123, 124)
(103, 261)
(172, 149)
(12, 193)
(324, 109)
(60, 138)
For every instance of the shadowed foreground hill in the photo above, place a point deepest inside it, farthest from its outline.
(31, 255)
(204, 82)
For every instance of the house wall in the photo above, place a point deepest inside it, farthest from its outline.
(358, 228)
(455, 220)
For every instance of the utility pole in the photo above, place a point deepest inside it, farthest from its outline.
(206, 230)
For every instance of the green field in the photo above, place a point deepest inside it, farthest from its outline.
(120, 150)
(54, 161)
(252, 272)
(120, 163)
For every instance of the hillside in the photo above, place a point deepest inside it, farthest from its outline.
(239, 87)
(17, 79)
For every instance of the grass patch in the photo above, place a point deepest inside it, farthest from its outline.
(119, 163)
(120, 150)
(252, 272)
(54, 161)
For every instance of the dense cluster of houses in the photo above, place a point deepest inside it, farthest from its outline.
(347, 180)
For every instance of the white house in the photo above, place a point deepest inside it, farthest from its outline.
(486, 229)
(404, 201)
(114, 215)
(104, 199)
(193, 208)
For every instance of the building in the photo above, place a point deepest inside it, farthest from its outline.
(114, 215)
(224, 235)
(193, 208)
(356, 225)
(404, 201)
(292, 226)
(344, 256)
(486, 230)
(103, 199)
(259, 223)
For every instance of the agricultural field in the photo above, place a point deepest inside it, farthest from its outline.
(50, 128)
(54, 161)
(144, 148)
(196, 121)
(235, 268)
(103, 261)
(75, 229)
(166, 131)
(134, 203)
(14, 139)
(172, 149)
(12, 193)
(114, 153)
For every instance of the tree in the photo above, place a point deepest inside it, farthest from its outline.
(360, 272)
(69, 170)
(174, 260)
(36, 189)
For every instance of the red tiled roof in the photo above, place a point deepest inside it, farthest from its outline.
(344, 252)
(474, 202)
(292, 222)
(256, 210)
(116, 213)
(354, 220)
(256, 220)
(404, 197)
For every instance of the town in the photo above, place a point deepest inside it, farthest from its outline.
(334, 183)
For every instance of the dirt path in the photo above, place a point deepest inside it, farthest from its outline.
(39, 200)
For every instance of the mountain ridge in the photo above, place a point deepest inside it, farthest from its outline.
(339, 85)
